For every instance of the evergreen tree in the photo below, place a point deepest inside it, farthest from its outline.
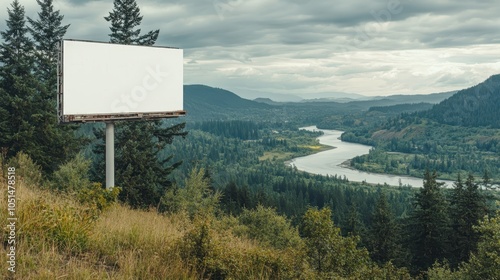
(354, 225)
(18, 86)
(124, 18)
(428, 225)
(28, 104)
(139, 171)
(58, 143)
(384, 233)
(486, 179)
(468, 207)
(47, 31)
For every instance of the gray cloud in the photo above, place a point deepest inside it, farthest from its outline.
(302, 46)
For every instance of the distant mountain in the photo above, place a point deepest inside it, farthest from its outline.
(432, 98)
(266, 101)
(475, 106)
(277, 97)
(209, 102)
(339, 100)
(334, 96)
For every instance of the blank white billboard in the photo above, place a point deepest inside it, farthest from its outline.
(103, 81)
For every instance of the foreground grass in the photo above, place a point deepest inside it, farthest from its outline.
(59, 238)
(119, 244)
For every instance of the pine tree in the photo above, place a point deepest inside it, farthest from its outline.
(484, 264)
(428, 226)
(139, 171)
(57, 143)
(384, 232)
(28, 104)
(354, 225)
(47, 31)
(468, 207)
(124, 18)
(18, 86)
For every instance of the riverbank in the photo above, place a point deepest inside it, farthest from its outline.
(336, 162)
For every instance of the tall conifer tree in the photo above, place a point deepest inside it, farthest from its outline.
(57, 143)
(47, 31)
(468, 207)
(28, 104)
(384, 232)
(18, 86)
(429, 225)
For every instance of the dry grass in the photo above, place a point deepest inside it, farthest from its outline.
(58, 238)
(134, 244)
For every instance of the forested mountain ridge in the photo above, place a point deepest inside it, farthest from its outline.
(475, 106)
(205, 100)
(209, 103)
(433, 98)
(459, 135)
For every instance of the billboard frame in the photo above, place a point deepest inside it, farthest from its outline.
(109, 117)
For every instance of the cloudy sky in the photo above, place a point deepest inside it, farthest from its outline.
(305, 47)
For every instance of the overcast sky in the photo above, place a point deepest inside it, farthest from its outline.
(369, 47)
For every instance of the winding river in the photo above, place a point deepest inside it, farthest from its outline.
(330, 162)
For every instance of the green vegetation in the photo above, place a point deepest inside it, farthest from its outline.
(220, 202)
(60, 235)
(408, 144)
(28, 119)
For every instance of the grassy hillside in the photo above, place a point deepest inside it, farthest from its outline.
(80, 233)
(58, 237)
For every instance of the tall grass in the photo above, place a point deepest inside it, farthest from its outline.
(62, 233)
(59, 238)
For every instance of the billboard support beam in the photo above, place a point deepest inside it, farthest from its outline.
(110, 155)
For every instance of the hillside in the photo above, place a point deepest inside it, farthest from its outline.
(402, 108)
(433, 98)
(460, 135)
(208, 102)
(204, 102)
(475, 106)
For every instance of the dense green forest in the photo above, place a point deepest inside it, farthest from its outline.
(459, 135)
(210, 196)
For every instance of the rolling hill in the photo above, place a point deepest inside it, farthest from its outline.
(475, 106)
(208, 102)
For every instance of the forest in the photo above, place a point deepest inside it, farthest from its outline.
(210, 196)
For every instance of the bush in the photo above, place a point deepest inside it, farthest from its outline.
(269, 228)
(220, 255)
(43, 219)
(97, 197)
(26, 170)
(72, 176)
(196, 198)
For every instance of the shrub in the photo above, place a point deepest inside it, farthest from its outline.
(26, 170)
(62, 222)
(196, 198)
(72, 176)
(97, 197)
(266, 226)
(218, 254)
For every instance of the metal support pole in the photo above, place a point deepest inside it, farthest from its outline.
(110, 155)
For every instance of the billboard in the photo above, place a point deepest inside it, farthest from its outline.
(102, 82)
